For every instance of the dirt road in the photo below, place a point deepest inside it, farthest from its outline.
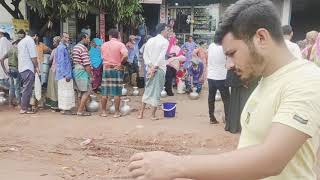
(49, 146)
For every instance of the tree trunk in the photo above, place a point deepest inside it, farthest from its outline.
(121, 31)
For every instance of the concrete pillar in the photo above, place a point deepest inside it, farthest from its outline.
(286, 12)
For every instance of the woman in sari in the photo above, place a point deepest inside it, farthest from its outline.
(309, 52)
(202, 53)
(52, 90)
(315, 52)
(175, 55)
(96, 63)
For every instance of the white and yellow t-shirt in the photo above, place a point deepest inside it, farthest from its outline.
(290, 96)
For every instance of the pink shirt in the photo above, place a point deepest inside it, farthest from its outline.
(112, 52)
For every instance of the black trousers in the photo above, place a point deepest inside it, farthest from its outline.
(170, 75)
(215, 85)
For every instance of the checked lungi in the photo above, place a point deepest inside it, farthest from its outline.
(111, 82)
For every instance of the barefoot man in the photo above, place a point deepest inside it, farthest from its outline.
(114, 54)
(154, 57)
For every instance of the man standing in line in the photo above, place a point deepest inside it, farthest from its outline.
(280, 122)
(66, 98)
(217, 73)
(82, 72)
(293, 47)
(13, 73)
(5, 46)
(154, 57)
(114, 54)
(27, 66)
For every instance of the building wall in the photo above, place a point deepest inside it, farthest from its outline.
(6, 17)
(283, 6)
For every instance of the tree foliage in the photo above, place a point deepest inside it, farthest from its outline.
(124, 11)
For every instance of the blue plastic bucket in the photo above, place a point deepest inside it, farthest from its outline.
(169, 109)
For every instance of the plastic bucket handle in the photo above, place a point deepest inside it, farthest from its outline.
(168, 110)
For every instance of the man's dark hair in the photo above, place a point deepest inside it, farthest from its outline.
(245, 17)
(160, 27)
(201, 43)
(33, 33)
(114, 33)
(83, 36)
(190, 36)
(287, 30)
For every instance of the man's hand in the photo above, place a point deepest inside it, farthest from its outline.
(154, 166)
(37, 70)
(151, 72)
(3, 66)
(118, 67)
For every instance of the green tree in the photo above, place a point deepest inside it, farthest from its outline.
(121, 10)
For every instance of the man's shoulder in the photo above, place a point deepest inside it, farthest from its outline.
(60, 46)
(291, 44)
(79, 47)
(307, 74)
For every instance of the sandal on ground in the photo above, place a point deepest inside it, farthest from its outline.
(26, 112)
(117, 115)
(155, 118)
(68, 113)
(83, 114)
(103, 115)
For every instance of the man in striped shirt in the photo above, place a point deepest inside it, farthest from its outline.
(82, 72)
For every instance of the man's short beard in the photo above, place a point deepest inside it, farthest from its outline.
(257, 61)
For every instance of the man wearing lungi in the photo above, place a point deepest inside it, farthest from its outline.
(114, 54)
(66, 99)
(82, 72)
(154, 57)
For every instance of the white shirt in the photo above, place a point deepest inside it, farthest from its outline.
(293, 48)
(5, 46)
(26, 51)
(155, 52)
(216, 63)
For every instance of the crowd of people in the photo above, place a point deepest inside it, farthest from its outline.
(280, 120)
(152, 63)
(274, 97)
(94, 66)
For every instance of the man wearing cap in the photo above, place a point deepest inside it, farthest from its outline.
(27, 66)
(5, 46)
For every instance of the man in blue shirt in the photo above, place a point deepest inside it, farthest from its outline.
(133, 55)
(66, 99)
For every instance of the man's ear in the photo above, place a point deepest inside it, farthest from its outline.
(262, 38)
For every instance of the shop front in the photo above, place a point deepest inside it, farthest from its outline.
(199, 19)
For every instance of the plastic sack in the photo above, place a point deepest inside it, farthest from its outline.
(37, 87)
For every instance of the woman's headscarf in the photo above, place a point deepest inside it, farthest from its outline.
(97, 41)
(56, 40)
(172, 43)
(318, 45)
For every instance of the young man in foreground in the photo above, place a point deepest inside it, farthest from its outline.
(280, 122)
